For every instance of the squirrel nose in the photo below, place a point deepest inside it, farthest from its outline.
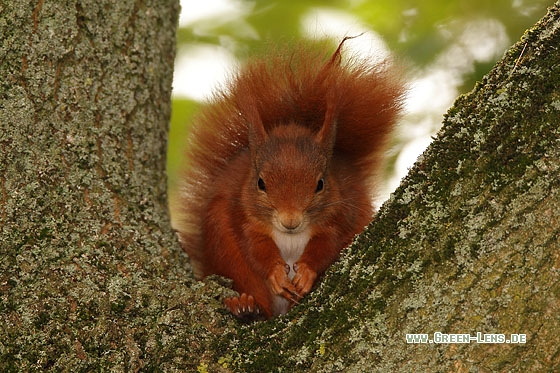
(291, 222)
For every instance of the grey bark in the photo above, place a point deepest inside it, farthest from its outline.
(90, 271)
(92, 278)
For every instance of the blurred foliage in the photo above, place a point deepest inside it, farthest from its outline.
(415, 28)
(417, 31)
(182, 109)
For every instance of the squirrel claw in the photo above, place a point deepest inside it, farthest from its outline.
(244, 307)
(292, 296)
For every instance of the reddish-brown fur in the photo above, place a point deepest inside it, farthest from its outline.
(286, 153)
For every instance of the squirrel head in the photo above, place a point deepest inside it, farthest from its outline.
(290, 182)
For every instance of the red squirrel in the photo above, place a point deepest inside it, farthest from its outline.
(280, 174)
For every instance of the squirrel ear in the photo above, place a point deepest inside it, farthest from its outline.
(249, 111)
(327, 134)
(257, 133)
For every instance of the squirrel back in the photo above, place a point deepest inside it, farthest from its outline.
(280, 174)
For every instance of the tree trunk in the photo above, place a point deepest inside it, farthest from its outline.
(87, 258)
(91, 277)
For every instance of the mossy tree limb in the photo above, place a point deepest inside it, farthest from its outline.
(469, 243)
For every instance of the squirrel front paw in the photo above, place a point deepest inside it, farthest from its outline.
(304, 278)
(244, 307)
(279, 283)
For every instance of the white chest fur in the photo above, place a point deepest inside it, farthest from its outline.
(291, 246)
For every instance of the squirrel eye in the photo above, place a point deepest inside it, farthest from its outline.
(260, 185)
(320, 185)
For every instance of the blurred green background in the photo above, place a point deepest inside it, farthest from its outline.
(446, 45)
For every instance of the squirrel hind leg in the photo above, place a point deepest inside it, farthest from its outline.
(245, 308)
